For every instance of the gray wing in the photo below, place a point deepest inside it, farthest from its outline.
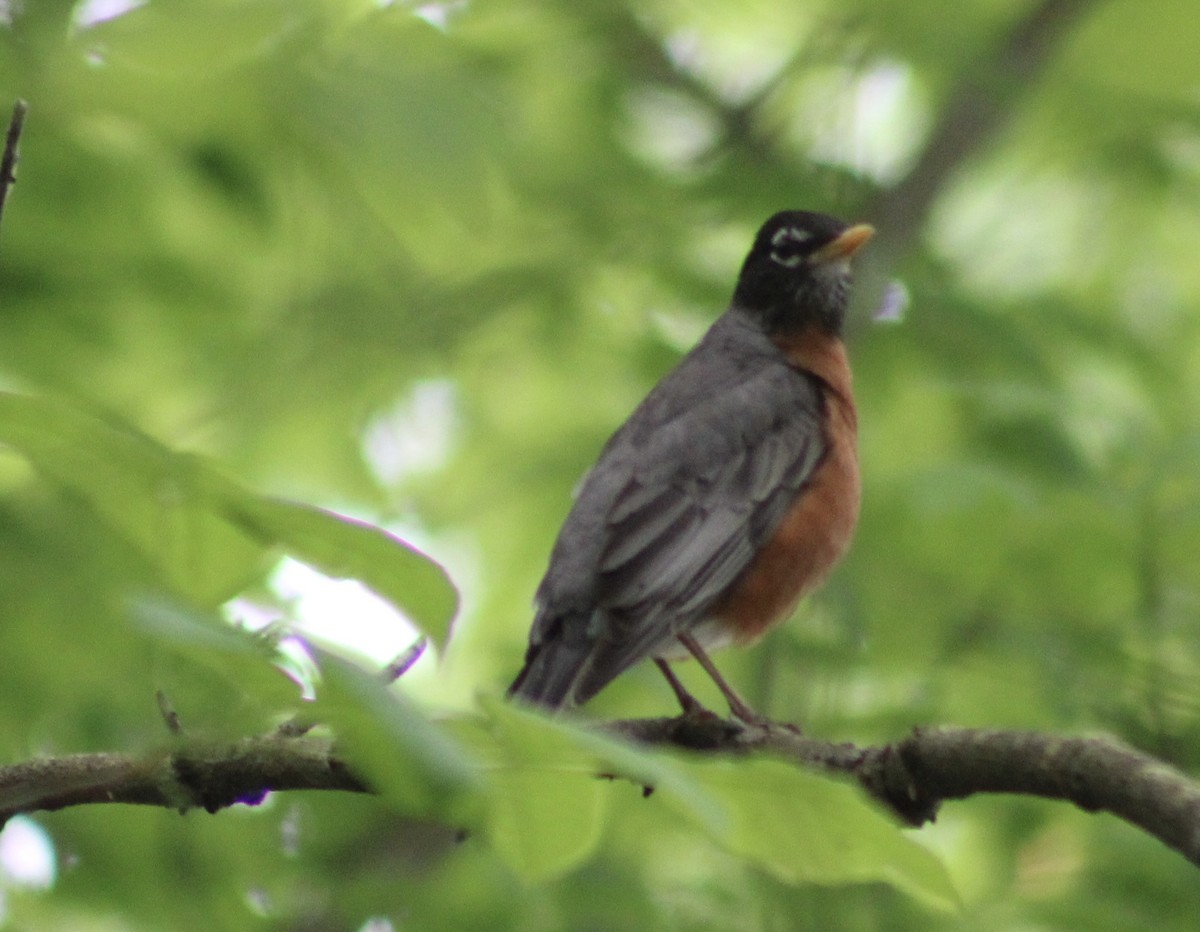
(681, 499)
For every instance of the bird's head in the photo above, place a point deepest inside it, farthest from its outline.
(797, 274)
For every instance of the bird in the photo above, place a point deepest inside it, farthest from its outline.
(728, 494)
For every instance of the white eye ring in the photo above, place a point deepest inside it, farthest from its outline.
(795, 234)
(784, 234)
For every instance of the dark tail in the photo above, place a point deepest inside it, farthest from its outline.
(565, 667)
(551, 673)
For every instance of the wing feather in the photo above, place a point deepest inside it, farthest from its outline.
(679, 502)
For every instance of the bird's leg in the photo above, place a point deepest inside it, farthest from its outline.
(737, 705)
(689, 703)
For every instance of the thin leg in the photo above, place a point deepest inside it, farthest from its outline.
(689, 703)
(737, 705)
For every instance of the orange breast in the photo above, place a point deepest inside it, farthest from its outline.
(816, 531)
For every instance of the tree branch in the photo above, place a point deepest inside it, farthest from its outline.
(912, 777)
(194, 775)
(976, 113)
(8, 162)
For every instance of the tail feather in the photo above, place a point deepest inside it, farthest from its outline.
(552, 670)
(566, 667)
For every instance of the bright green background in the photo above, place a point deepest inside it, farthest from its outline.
(251, 237)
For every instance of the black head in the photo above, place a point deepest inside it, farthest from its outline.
(797, 274)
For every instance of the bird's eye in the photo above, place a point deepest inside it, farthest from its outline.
(787, 242)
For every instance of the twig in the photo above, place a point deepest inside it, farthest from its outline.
(169, 716)
(402, 664)
(299, 725)
(8, 164)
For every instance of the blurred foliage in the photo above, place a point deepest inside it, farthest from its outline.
(413, 262)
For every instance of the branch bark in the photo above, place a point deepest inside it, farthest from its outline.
(913, 777)
(192, 775)
(8, 160)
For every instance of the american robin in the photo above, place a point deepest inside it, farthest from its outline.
(729, 493)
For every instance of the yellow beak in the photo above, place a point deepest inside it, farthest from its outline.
(846, 245)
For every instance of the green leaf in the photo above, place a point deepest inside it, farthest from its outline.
(548, 800)
(224, 675)
(534, 736)
(194, 40)
(547, 804)
(543, 823)
(345, 547)
(548, 808)
(160, 501)
(414, 764)
(208, 536)
(805, 828)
